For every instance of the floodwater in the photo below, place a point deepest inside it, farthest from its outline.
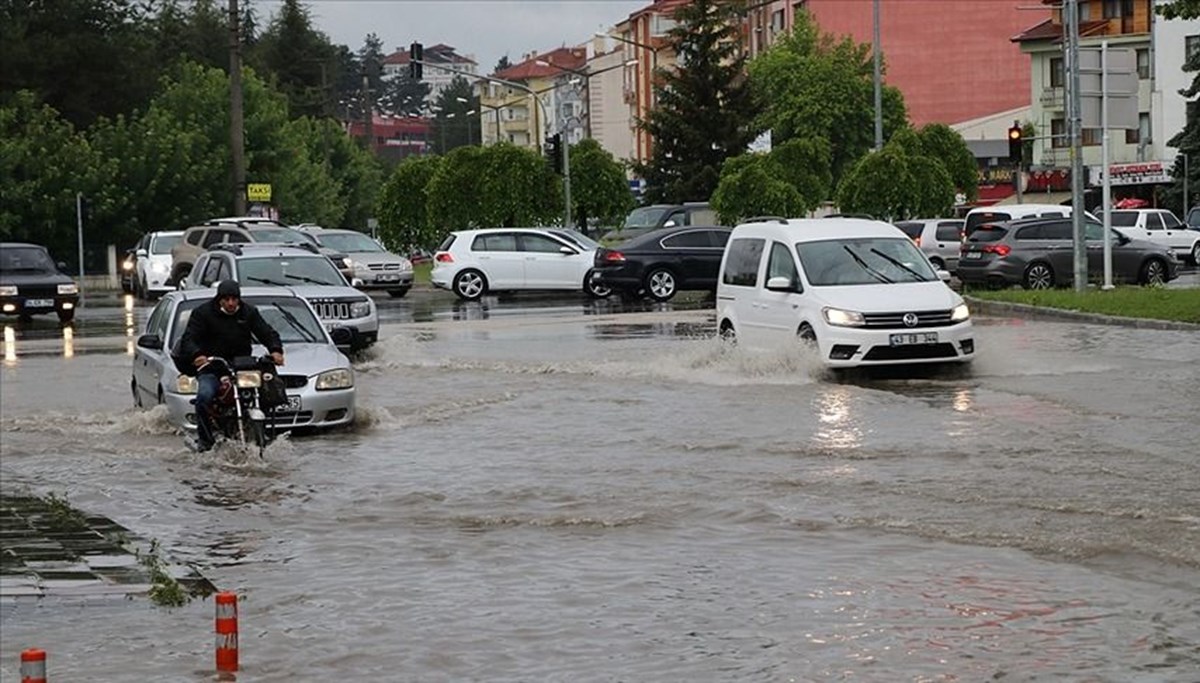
(613, 497)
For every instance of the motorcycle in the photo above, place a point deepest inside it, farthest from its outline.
(249, 393)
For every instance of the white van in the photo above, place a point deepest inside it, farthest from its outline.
(858, 290)
(1011, 212)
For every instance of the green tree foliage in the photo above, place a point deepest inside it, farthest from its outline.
(816, 87)
(599, 189)
(805, 164)
(43, 164)
(751, 186)
(1180, 9)
(299, 59)
(898, 182)
(1187, 141)
(197, 31)
(943, 143)
(402, 208)
(518, 188)
(704, 110)
(454, 192)
(452, 127)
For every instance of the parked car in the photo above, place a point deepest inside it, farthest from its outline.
(858, 291)
(374, 265)
(1038, 253)
(198, 238)
(1160, 226)
(152, 263)
(308, 274)
(999, 214)
(471, 263)
(939, 238)
(318, 377)
(657, 216)
(31, 283)
(663, 262)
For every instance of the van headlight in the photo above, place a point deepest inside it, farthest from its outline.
(341, 378)
(360, 309)
(71, 288)
(960, 313)
(249, 379)
(185, 384)
(840, 318)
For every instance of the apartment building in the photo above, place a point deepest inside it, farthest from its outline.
(1171, 42)
(440, 55)
(550, 99)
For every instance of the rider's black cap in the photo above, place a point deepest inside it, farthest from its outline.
(228, 288)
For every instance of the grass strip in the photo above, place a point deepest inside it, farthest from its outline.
(1154, 303)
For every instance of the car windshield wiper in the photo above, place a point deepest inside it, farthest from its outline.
(309, 280)
(859, 260)
(919, 277)
(268, 281)
(291, 320)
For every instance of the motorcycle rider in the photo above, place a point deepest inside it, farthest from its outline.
(225, 327)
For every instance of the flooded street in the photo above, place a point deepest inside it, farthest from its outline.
(577, 493)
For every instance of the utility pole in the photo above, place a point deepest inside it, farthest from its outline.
(237, 135)
(878, 83)
(1075, 133)
(566, 159)
(368, 113)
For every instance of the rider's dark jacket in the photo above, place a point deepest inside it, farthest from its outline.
(212, 332)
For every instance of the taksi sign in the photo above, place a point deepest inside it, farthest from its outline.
(1136, 174)
(258, 192)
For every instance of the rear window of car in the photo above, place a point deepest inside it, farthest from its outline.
(447, 243)
(687, 240)
(949, 231)
(741, 263)
(987, 233)
(976, 219)
(1124, 219)
(504, 241)
(913, 230)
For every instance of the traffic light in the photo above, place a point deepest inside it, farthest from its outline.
(416, 53)
(554, 152)
(1014, 144)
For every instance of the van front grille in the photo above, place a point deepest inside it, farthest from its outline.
(895, 321)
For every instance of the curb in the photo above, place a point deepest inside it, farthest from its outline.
(1042, 313)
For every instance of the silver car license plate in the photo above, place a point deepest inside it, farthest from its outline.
(293, 404)
(387, 277)
(909, 338)
(39, 303)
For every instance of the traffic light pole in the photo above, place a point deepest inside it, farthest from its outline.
(566, 158)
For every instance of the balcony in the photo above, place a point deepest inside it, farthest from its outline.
(1052, 99)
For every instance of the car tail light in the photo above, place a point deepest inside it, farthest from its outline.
(443, 257)
(610, 256)
(1000, 250)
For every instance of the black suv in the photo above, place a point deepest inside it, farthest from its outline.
(32, 283)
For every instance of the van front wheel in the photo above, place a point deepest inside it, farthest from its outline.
(807, 336)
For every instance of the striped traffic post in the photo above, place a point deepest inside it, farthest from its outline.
(227, 632)
(33, 666)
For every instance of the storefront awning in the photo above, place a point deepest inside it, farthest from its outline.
(1037, 198)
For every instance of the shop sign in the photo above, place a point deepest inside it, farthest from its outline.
(1139, 173)
(258, 192)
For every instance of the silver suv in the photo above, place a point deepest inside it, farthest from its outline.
(199, 238)
(309, 274)
(374, 266)
(939, 238)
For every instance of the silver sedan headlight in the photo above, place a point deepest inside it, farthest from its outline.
(960, 313)
(185, 384)
(360, 309)
(342, 378)
(840, 318)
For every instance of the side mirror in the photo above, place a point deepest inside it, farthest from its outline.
(356, 282)
(567, 251)
(341, 336)
(150, 341)
(62, 265)
(781, 284)
(943, 275)
(670, 223)
(141, 253)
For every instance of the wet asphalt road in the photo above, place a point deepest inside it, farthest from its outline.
(548, 488)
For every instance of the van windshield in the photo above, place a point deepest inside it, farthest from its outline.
(863, 261)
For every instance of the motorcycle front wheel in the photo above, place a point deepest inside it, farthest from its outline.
(256, 433)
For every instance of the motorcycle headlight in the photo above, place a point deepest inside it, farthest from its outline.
(960, 313)
(185, 384)
(71, 288)
(840, 318)
(249, 379)
(8, 290)
(335, 379)
(360, 309)
(127, 264)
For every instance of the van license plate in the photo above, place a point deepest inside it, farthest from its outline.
(913, 338)
(39, 303)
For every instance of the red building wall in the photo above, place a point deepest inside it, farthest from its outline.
(952, 59)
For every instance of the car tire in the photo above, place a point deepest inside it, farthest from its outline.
(180, 275)
(661, 284)
(727, 335)
(1196, 254)
(807, 335)
(1039, 275)
(137, 400)
(1154, 272)
(469, 285)
(593, 287)
(938, 263)
(398, 293)
(66, 316)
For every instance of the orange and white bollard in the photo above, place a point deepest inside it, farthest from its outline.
(227, 632)
(33, 666)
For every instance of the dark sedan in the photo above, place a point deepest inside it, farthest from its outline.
(32, 283)
(660, 263)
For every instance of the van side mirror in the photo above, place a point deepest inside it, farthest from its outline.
(141, 253)
(781, 284)
(150, 341)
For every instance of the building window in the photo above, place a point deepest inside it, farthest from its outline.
(1112, 9)
(1091, 137)
(1191, 47)
(1058, 133)
(1056, 72)
(1143, 64)
(777, 21)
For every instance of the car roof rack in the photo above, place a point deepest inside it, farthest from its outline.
(766, 219)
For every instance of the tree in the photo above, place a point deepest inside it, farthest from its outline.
(197, 33)
(1187, 141)
(804, 163)
(455, 191)
(516, 189)
(502, 64)
(401, 95)
(1180, 9)
(898, 182)
(704, 112)
(403, 202)
(599, 189)
(941, 142)
(817, 88)
(751, 186)
(299, 59)
(452, 127)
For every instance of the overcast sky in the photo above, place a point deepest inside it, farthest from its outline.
(487, 29)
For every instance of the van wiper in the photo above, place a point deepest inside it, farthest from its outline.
(858, 259)
(915, 274)
(268, 281)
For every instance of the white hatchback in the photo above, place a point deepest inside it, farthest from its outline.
(858, 290)
(471, 263)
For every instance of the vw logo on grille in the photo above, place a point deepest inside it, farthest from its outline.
(911, 320)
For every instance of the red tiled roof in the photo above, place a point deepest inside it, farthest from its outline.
(666, 7)
(439, 54)
(569, 58)
(1048, 30)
